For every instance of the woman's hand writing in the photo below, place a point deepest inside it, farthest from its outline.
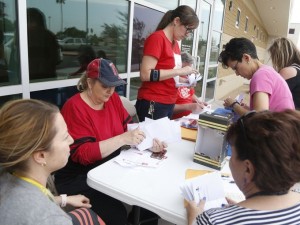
(228, 102)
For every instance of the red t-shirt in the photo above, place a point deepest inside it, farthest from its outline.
(160, 47)
(184, 96)
(83, 121)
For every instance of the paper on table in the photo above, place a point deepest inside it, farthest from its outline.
(208, 185)
(133, 158)
(162, 129)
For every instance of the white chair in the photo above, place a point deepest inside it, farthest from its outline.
(128, 105)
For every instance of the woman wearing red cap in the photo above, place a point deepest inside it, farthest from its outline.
(97, 121)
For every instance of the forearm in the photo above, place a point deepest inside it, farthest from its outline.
(110, 145)
(183, 107)
(238, 109)
(164, 74)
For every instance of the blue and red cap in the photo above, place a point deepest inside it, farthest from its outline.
(105, 71)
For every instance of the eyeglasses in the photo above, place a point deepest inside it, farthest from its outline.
(235, 66)
(242, 119)
(188, 29)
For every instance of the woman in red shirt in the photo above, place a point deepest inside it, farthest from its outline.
(162, 61)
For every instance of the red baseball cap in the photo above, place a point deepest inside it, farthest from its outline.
(105, 71)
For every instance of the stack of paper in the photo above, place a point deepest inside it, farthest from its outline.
(162, 129)
(214, 186)
(209, 186)
(134, 158)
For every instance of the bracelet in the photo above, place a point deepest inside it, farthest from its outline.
(233, 104)
(63, 200)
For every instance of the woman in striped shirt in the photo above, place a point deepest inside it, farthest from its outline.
(265, 164)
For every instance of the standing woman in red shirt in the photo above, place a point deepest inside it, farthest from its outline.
(162, 61)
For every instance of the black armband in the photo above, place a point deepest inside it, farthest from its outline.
(154, 75)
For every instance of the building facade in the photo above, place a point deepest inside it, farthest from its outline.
(44, 42)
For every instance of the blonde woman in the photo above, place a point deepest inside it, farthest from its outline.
(285, 57)
(34, 142)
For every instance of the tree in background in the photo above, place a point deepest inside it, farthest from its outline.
(61, 2)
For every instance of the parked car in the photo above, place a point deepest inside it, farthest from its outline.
(72, 44)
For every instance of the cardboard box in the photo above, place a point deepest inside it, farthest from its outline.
(211, 147)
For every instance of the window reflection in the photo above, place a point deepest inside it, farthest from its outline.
(170, 4)
(100, 25)
(135, 83)
(212, 72)
(43, 48)
(210, 90)
(9, 51)
(56, 96)
(144, 23)
(215, 47)
(4, 99)
(202, 43)
(187, 43)
(218, 15)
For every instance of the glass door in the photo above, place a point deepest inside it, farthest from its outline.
(207, 45)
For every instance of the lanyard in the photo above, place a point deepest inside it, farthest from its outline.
(38, 185)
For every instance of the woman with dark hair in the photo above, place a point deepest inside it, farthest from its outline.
(268, 90)
(264, 164)
(162, 62)
(285, 57)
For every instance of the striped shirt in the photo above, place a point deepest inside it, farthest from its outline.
(239, 215)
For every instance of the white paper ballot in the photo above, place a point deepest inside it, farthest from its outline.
(239, 98)
(192, 80)
(209, 186)
(162, 129)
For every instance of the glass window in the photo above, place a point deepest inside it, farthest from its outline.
(218, 15)
(135, 83)
(56, 96)
(210, 90)
(187, 43)
(215, 47)
(144, 23)
(238, 15)
(4, 99)
(246, 24)
(203, 34)
(212, 72)
(9, 50)
(170, 4)
(79, 33)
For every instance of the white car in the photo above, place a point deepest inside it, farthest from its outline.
(72, 44)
